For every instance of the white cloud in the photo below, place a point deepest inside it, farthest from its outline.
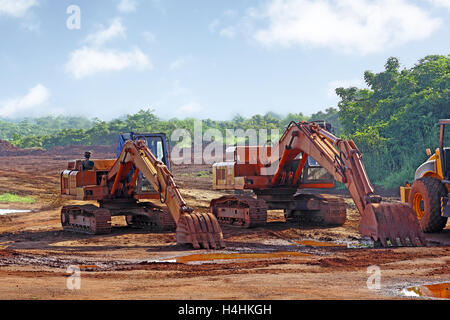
(178, 63)
(16, 8)
(89, 61)
(149, 36)
(226, 28)
(333, 85)
(363, 26)
(36, 96)
(190, 108)
(178, 90)
(31, 25)
(441, 3)
(94, 58)
(116, 29)
(213, 25)
(230, 13)
(228, 32)
(126, 6)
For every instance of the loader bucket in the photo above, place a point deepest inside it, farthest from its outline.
(393, 222)
(201, 230)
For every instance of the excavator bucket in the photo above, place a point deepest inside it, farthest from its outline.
(201, 230)
(392, 222)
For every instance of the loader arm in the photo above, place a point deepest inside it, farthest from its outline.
(342, 159)
(198, 229)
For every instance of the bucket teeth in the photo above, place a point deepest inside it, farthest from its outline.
(201, 230)
(393, 222)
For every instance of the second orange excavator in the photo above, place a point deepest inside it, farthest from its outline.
(308, 156)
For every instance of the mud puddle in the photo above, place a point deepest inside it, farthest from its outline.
(4, 212)
(315, 243)
(435, 291)
(14, 258)
(11, 257)
(349, 244)
(222, 257)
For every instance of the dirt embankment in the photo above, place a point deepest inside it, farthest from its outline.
(9, 150)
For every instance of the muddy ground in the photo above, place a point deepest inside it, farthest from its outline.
(274, 262)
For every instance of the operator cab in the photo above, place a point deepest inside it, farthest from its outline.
(157, 143)
(314, 175)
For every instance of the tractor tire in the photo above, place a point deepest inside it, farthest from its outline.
(425, 199)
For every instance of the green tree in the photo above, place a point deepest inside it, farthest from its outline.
(395, 119)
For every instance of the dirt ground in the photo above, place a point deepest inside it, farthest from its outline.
(275, 262)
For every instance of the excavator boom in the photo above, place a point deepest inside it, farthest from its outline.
(198, 229)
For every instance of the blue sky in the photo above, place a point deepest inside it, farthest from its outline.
(203, 58)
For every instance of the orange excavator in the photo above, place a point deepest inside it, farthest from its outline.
(135, 185)
(308, 157)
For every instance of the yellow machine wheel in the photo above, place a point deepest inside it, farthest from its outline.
(418, 205)
(425, 199)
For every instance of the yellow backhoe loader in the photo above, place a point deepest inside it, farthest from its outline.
(430, 193)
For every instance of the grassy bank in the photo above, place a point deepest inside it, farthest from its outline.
(13, 198)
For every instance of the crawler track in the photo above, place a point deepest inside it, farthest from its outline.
(241, 211)
(153, 220)
(87, 219)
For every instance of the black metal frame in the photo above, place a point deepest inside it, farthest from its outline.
(444, 168)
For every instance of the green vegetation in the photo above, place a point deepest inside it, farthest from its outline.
(13, 198)
(396, 118)
(203, 174)
(392, 121)
(33, 133)
(41, 126)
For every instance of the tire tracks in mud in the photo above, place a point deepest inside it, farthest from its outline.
(330, 260)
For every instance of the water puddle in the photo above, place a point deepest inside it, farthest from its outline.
(439, 290)
(218, 257)
(4, 212)
(362, 244)
(314, 243)
(89, 267)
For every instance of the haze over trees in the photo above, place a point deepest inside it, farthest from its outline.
(60, 131)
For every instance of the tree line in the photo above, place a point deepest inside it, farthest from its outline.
(395, 119)
(63, 131)
(392, 120)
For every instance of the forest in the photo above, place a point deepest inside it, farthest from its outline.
(392, 120)
(395, 119)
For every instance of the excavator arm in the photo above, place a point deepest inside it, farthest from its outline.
(342, 159)
(198, 229)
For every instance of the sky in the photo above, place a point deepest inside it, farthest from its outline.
(203, 58)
